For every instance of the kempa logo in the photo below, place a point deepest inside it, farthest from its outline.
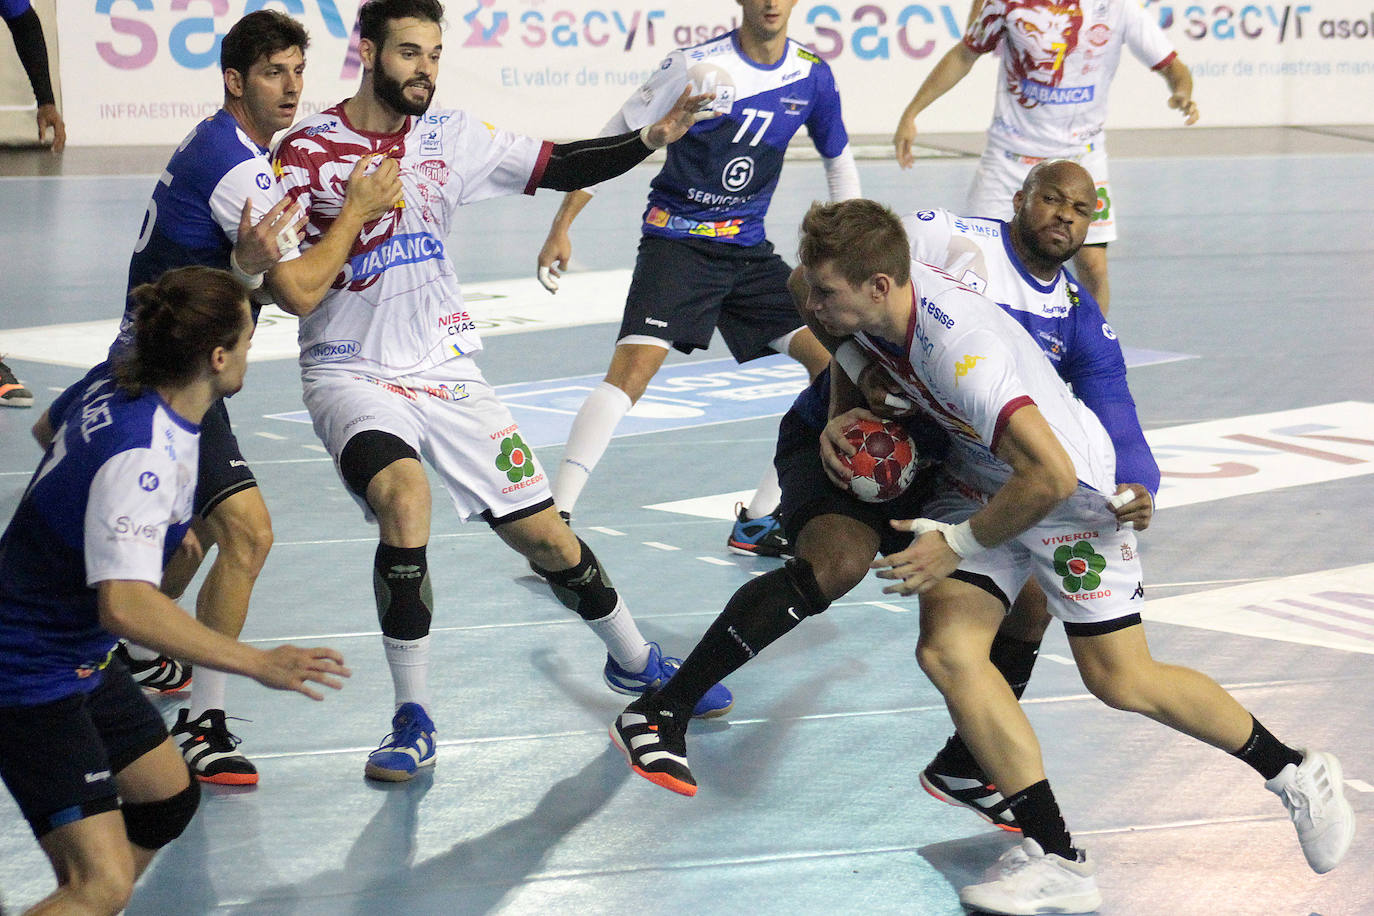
(516, 460)
(1080, 565)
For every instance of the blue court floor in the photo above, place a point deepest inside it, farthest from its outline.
(1242, 289)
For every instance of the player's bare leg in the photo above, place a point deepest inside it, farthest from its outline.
(1090, 266)
(1119, 670)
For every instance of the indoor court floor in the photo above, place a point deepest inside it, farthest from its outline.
(1242, 292)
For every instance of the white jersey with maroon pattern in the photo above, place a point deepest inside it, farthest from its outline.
(396, 309)
(1058, 58)
(971, 366)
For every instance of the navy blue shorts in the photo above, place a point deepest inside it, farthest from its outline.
(808, 493)
(59, 759)
(222, 471)
(683, 289)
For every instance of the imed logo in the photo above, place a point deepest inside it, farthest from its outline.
(1080, 565)
(516, 460)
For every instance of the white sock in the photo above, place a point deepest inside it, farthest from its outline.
(620, 633)
(767, 496)
(140, 653)
(587, 440)
(409, 662)
(207, 691)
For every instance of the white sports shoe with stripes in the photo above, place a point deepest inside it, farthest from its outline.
(1026, 881)
(211, 751)
(1314, 795)
(654, 739)
(409, 746)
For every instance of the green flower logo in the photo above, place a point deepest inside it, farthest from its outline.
(516, 460)
(1104, 206)
(1080, 565)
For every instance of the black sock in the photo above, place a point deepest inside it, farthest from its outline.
(400, 583)
(584, 587)
(1014, 658)
(757, 614)
(1036, 810)
(1265, 753)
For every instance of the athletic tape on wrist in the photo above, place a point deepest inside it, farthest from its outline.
(252, 281)
(961, 540)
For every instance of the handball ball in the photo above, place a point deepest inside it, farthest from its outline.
(708, 77)
(885, 462)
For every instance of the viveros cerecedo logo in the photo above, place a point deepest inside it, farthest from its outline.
(516, 460)
(1080, 566)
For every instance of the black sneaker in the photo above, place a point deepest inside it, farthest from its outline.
(972, 792)
(12, 391)
(654, 740)
(157, 675)
(211, 751)
(758, 537)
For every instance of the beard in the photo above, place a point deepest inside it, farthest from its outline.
(1031, 242)
(392, 93)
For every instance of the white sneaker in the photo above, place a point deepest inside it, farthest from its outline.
(1025, 881)
(1314, 795)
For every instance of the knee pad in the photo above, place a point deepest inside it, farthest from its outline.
(152, 825)
(367, 454)
(802, 578)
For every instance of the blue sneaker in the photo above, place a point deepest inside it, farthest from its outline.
(409, 746)
(716, 702)
(758, 537)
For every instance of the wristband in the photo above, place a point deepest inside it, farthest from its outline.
(961, 540)
(252, 281)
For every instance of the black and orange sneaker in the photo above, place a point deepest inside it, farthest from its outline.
(12, 391)
(654, 739)
(156, 675)
(211, 751)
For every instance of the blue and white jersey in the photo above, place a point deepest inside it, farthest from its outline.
(1061, 316)
(110, 500)
(193, 215)
(720, 177)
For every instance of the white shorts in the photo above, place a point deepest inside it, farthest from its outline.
(1088, 566)
(1001, 172)
(456, 423)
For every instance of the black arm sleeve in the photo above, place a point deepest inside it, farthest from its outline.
(587, 162)
(33, 53)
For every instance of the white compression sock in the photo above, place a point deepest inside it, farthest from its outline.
(591, 433)
(621, 635)
(207, 691)
(409, 663)
(767, 496)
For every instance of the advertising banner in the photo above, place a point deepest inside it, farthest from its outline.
(141, 71)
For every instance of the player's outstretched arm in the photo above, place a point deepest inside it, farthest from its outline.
(953, 67)
(300, 284)
(139, 612)
(1180, 80)
(557, 250)
(261, 245)
(583, 163)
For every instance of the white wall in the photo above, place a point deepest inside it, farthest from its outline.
(558, 68)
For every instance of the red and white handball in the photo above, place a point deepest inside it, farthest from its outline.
(885, 462)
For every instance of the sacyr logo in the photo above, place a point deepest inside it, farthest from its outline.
(1080, 565)
(516, 460)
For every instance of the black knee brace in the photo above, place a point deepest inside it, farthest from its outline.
(765, 609)
(152, 825)
(367, 454)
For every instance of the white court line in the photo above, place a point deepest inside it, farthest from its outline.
(894, 608)
(610, 531)
(716, 561)
(1059, 659)
(269, 436)
(657, 546)
(1359, 785)
(316, 448)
